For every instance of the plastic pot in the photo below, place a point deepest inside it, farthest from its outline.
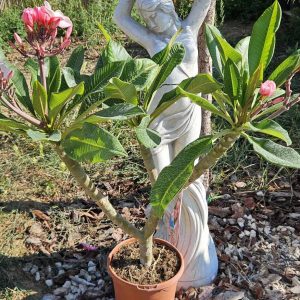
(125, 290)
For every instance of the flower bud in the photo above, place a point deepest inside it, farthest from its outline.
(267, 88)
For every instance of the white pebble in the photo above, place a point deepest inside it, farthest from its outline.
(67, 284)
(92, 269)
(252, 233)
(241, 222)
(37, 276)
(247, 232)
(34, 269)
(260, 193)
(241, 235)
(91, 264)
(58, 264)
(70, 297)
(267, 230)
(60, 291)
(49, 297)
(49, 282)
(101, 283)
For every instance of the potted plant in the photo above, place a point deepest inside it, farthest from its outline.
(121, 88)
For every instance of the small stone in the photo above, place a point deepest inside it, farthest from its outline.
(49, 282)
(241, 222)
(252, 233)
(49, 297)
(92, 269)
(60, 291)
(295, 289)
(58, 265)
(98, 274)
(241, 235)
(260, 194)
(67, 284)
(27, 267)
(247, 232)
(226, 196)
(70, 296)
(88, 277)
(82, 288)
(253, 226)
(68, 266)
(232, 221)
(37, 276)
(100, 283)
(61, 272)
(267, 229)
(91, 264)
(74, 289)
(34, 269)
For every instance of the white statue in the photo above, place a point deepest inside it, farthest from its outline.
(185, 222)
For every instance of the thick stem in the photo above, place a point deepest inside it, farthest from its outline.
(148, 162)
(96, 195)
(21, 113)
(214, 155)
(43, 78)
(146, 251)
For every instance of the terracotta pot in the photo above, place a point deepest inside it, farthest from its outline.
(125, 290)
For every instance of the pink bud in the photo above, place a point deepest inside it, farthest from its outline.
(18, 39)
(267, 88)
(28, 17)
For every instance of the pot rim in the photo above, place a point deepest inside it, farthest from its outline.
(146, 286)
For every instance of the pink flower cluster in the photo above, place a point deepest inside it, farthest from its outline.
(41, 25)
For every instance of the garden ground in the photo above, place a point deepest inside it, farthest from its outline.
(45, 220)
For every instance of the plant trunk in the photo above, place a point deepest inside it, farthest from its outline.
(205, 66)
(96, 195)
(209, 160)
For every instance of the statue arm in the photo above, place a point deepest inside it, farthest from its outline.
(137, 32)
(197, 15)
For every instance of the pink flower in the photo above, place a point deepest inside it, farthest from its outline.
(88, 247)
(267, 88)
(5, 76)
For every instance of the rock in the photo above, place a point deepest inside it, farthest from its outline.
(58, 265)
(267, 229)
(92, 269)
(61, 272)
(67, 284)
(260, 194)
(295, 290)
(252, 233)
(91, 264)
(81, 281)
(247, 232)
(232, 221)
(34, 269)
(49, 297)
(272, 278)
(82, 288)
(27, 267)
(294, 215)
(230, 296)
(60, 291)
(49, 282)
(100, 283)
(70, 296)
(241, 222)
(37, 276)
(241, 235)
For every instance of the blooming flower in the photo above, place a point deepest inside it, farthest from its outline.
(41, 25)
(267, 88)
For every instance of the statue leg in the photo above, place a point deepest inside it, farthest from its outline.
(191, 234)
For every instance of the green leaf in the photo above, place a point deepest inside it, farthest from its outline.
(272, 128)
(113, 52)
(38, 136)
(54, 75)
(202, 102)
(173, 178)
(39, 99)
(232, 80)
(243, 47)
(275, 153)
(94, 85)
(10, 125)
(69, 77)
(104, 32)
(58, 100)
(33, 67)
(202, 83)
(117, 112)
(254, 82)
(225, 49)
(146, 136)
(286, 68)
(121, 90)
(139, 72)
(175, 57)
(76, 59)
(262, 42)
(92, 144)
(213, 48)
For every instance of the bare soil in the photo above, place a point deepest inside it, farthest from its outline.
(165, 265)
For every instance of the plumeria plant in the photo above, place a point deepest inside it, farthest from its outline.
(68, 109)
